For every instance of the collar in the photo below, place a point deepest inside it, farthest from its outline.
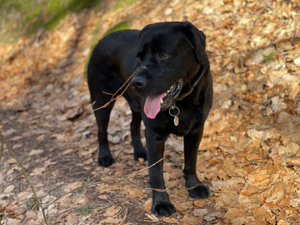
(182, 96)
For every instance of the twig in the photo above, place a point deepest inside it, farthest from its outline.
(1, 150)
(24, 221)
(295, 34)
(144, 168)
(112, 99)
(282, 90)
(125, 83)
(124, 216)
(104, 92)
(112, 96)
(284, 53)
(259, 14)
(88, 185)
(26, 177)
(117, 179)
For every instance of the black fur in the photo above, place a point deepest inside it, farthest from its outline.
(116, 57)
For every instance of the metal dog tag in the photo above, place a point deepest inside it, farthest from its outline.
(176, 120)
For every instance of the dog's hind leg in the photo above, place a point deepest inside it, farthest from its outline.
(135, 128)
(102, 116)
(191, 144)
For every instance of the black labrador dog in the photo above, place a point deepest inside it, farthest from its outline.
(171, 91)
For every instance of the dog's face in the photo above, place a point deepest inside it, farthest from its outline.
(170, 54)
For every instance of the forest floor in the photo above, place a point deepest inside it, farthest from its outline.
(249, 155)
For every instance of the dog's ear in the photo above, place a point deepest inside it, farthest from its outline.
(144, 30)
(197, 40)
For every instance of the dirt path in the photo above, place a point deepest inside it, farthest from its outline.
(249, 155)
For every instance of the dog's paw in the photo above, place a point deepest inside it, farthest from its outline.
(200, 191)
(105, 160)
(163, 208)
(140, 154)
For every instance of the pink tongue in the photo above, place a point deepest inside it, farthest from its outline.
(152, 105)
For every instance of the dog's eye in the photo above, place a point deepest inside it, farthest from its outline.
(139, 58)
(163, 55)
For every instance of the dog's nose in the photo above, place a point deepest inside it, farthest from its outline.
(138, 82)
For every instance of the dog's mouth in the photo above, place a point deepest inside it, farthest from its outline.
(157, 103)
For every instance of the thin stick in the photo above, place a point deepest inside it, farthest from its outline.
(112, 99)
(145, 168)
(125, 83)
(124, 216)
(26, 177)
(1, 150)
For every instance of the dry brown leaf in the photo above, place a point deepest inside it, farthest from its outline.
(170, 220)
(71, 219)
(110, 220)
(187, 220)
(233, 213)
(11, 161)
(38, 171)
(36, 152)
(68, 151)
(200, 212)
(147, 205)
(113, 210)
(73, 186)
(11, 221)
(235, 180)
(9, 188)
(200, 203)
(212, 216)
(31, 214)
(238, 221)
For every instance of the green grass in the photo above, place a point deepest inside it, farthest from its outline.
(30, 203)
(120, 26)
(25, 17)
(86, 209)
(269, 57)
(124, 3)
(253, 126)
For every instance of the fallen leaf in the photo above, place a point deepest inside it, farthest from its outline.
(9, 189)
(11, 161)
(111, 211)
(38, 171)
(152, 217)
(72, 186)
(36, 152)
(170, 220)
(110, 220)
(233, 213)
(68, 151)
(200, 212)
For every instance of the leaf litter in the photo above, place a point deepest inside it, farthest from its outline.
(249, 155)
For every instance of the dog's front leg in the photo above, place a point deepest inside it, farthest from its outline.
(191, 144)
(161, 204)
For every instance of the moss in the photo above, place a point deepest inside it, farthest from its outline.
(30, 203)
(28, 16)
(86, 209)
(269, 57)
(120, 26)
(124, 3)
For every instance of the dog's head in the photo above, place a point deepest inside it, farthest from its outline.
(170, 55)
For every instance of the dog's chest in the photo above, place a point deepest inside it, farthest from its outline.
(187, 121)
